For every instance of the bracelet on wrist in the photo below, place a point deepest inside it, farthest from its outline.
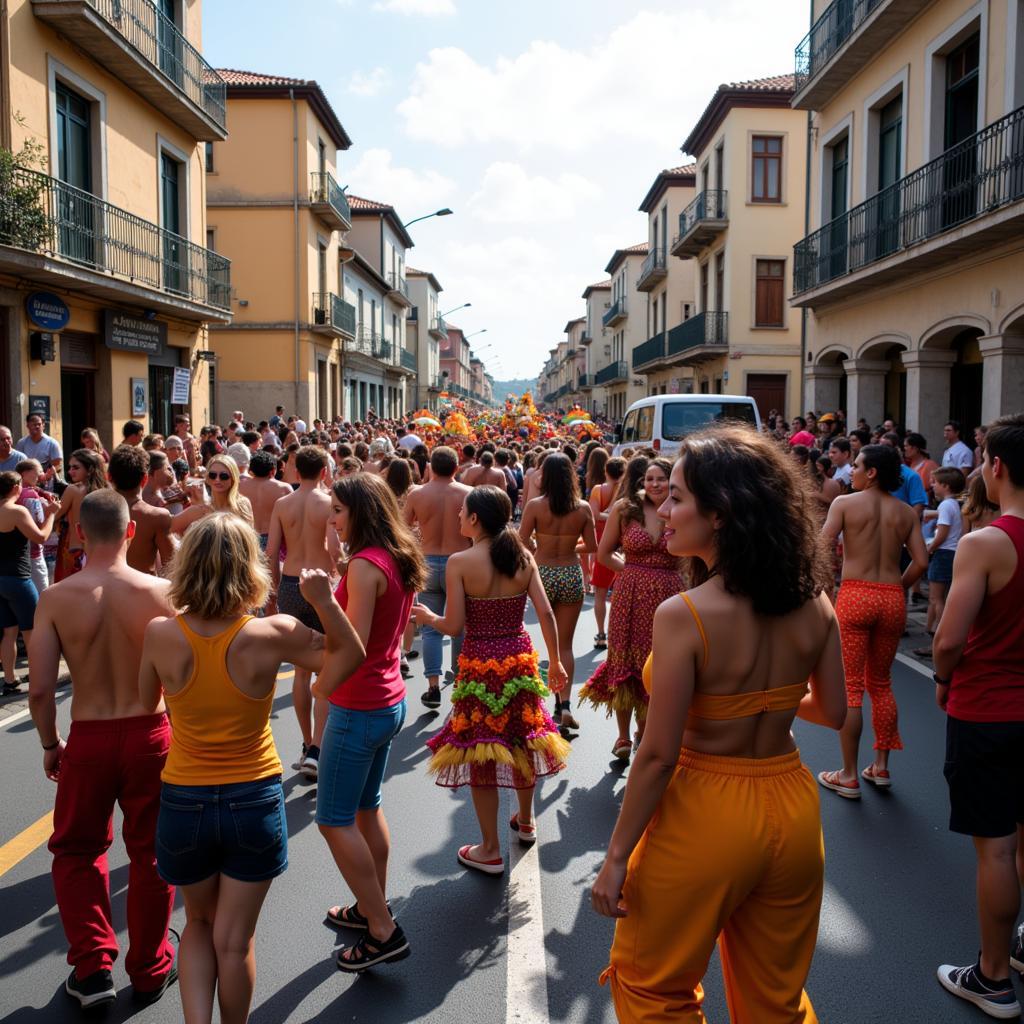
(52, 746)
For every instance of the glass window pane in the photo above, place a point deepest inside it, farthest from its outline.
(773, 180)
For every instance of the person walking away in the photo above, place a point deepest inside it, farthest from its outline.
(114, 752)
(263, 491)
(734, 660)
(947, 482)
(435, 509)
(602, 493)
(485, 473)
(871, 607)
(298, 522)
(499, 734)
(560, 520)
(979, 682)
(221, 835)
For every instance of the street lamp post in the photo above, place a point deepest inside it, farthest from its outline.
(465, 305)
(437, 213)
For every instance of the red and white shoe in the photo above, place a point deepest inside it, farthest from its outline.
(488, 867)
(831, 780)
(877, 776)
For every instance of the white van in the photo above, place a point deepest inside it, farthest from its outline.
(662, 421)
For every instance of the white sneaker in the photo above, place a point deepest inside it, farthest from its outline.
(311, 762)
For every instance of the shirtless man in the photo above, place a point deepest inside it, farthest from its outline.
(151, 537)
(262, 490)
(299, 521)
(435, 508)
(114, 752)
(871, 607)
(485, 472)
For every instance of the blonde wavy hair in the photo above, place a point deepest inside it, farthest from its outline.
(232, 467)
(219, 571)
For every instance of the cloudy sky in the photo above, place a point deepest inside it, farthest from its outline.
(541, 123)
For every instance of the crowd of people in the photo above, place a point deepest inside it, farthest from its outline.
(754, 578)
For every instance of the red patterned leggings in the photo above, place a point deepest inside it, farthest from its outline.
(871, 620)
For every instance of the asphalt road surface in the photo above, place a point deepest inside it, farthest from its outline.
(525, 947)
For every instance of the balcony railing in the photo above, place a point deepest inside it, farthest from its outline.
(158, 54)
(653, 270)
(613, 373)
(585, 382)
(976, 177)
(837, 23)
(649, 351)
(44, 215)
(704, 329)
(408, 360)
(333, 314)
(701, 222)
(586, 338)
(327, 199)
(615, 313)
(439, 327)
(370, 343)
(398, 284)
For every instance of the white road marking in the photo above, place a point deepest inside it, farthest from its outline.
(904, 659)
(527, 984)
(16, 717)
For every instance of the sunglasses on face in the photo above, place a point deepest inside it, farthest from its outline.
(218, 476)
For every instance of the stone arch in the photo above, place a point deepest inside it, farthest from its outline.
(832, 355)
(1013, 322)
(942, 334)
(884, 346)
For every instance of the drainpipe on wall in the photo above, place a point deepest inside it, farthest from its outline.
(295, 218)
(807, 231)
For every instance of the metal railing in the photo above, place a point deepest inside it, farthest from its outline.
(653, 262)
(837, 23)
(45, 215)
(703, 329)
(408, 360)
(709, 205)
(397, 283)
(648, 351)
(330, 310)
(616, 310)
(973, 178)
(586, 380)
(438, 324)
(612, 373)
(324, 189)
(161, 43)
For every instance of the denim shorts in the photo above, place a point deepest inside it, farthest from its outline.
(18, 600)
(940, 568)
(353, 758)
(238, 830)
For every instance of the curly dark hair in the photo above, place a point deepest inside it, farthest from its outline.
(769, 546)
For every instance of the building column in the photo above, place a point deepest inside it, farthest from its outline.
(865, 389)
(1002, 387)
(821, 387)
(928, 393)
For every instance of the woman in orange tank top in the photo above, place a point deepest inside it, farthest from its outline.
(719, 836)
(221, 834)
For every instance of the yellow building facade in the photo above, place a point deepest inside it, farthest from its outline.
(912, 268)
(107, 283)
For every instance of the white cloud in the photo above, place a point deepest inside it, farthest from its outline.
(648, 79)
(369, 83)
(427, 7)
(411, 192)
(508, 195)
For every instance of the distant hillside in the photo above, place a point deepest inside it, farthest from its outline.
(515, 387)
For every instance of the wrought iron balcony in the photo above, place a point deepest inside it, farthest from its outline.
(613, 373)
(80, 236)
(585, 382)
(333, 315)
(367, 342)
(842, 41)
(136, 42)
(586, 338)
(399, 287)
(976, 187)
(438, 327)
(615, 313)
(328, 201)
(651, 351)
(653, 270)
(408, 360)
(705, 335)
(701, 222)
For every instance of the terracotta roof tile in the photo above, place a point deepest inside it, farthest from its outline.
(683, 169)
(234, 77)
(773, 91)
(639, 247)
(762, 84)
(359, 203)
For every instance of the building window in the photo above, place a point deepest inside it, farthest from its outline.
(769, 305)
(767, 169)
(211, 238)
(208, 150)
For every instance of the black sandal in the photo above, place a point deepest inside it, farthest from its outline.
(432, 698)
(349, 917)
(370, 952)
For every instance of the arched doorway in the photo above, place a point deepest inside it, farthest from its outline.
(894, 381)
(825, 384)
(965, 380)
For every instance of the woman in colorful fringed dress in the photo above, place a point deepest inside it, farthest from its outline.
(499, 734)
(646, 575)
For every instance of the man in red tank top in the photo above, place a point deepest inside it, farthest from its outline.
(979, 678)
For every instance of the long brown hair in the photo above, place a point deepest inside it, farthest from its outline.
(596, 462)
(375, 521)
(559, 485)
(493, 509)
(631, 489)
(94, 466)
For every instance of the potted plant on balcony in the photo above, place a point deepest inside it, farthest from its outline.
(23, 219)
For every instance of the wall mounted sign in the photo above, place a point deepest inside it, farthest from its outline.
(180, 387)
(47, 311)
(129, 333)
(39, 405)
(140, 396)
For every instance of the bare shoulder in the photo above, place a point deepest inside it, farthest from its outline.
(988, 544)
(163, 628)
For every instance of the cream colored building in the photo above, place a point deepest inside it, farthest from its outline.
(275, 207)
(106, 277)
(669, 285)
(626, 323)
(425, 329)
(596, 341)
(743, 339)
(912, 268)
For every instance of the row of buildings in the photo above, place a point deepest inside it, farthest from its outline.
(152, 262)
(849, 236)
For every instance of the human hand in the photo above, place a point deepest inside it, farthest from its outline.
(421, 615)
(52, 761)
(315, 585)
(557, 678)
(942, 694)
(606, 896)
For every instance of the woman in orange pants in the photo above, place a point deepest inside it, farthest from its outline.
(721, 840)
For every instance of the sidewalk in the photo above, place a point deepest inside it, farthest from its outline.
(18, 702)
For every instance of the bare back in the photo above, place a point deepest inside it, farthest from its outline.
(480, 579)
(481, 476)
(152, 535)
(875, 527)
(100, 616)
(556, 536)
(303, 517)
(434, 507)
(263, 493)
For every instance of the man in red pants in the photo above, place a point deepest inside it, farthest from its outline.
(114, 751)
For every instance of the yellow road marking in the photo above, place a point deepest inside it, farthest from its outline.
(22, 845)
(17, 849)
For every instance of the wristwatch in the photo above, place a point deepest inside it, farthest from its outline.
(52, 746)
(941, 682)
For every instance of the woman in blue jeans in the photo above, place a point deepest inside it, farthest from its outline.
(385, 569)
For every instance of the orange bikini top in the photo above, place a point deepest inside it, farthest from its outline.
(724, 706)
